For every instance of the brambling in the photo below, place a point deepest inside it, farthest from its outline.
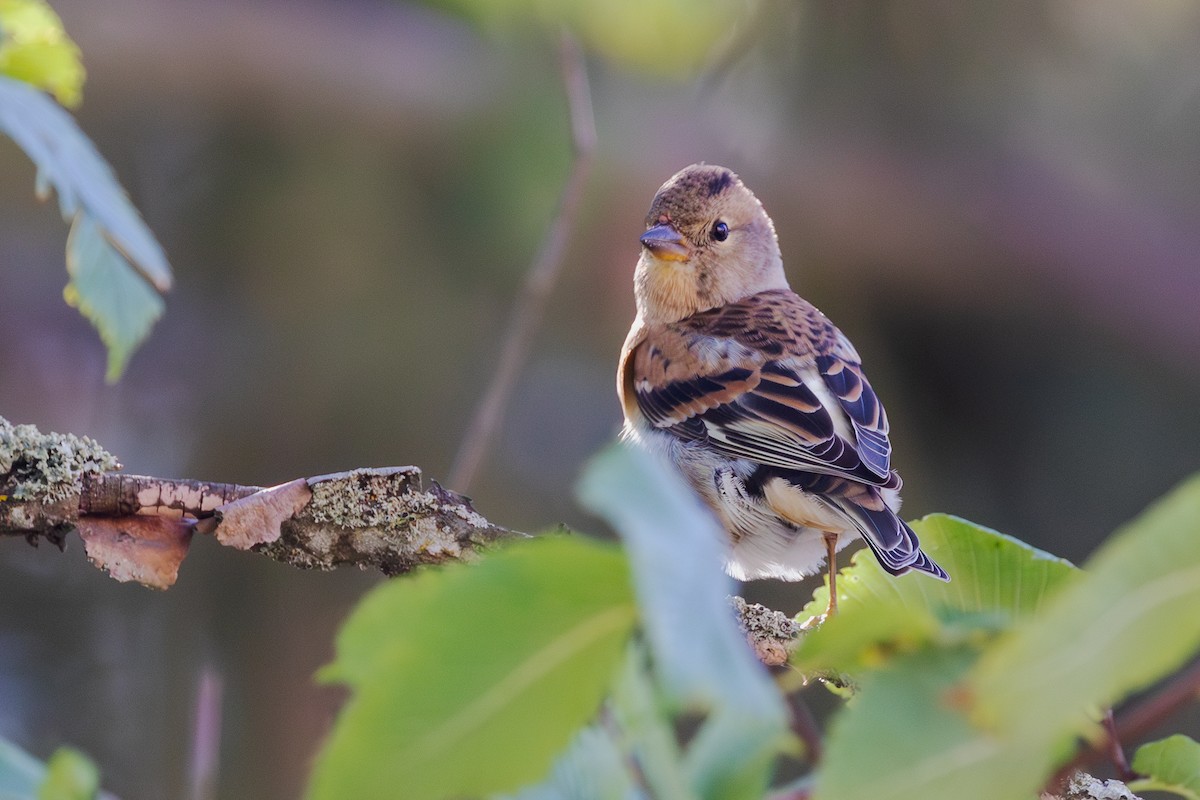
(757, 398)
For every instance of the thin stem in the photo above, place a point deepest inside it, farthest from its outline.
(1116, 753)
(1146, 715)
(539, 281)
(804, 725)
(206, 738)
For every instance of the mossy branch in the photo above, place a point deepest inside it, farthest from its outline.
(1082, 786)
(139, 527)
(771, 634)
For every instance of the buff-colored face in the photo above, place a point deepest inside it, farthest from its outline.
(708, 242)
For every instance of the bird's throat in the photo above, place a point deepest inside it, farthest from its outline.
(667, 290)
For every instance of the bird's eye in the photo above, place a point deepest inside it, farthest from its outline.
(720, 231)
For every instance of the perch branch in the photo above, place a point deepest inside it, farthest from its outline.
(139, 528)
(771, 634)
(115, 494)
(539, 281)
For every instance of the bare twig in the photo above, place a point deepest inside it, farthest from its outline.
(1116, 753)
(206, 737)
(804, 725)
(1140, 719)
(116, 494)
(539, 281)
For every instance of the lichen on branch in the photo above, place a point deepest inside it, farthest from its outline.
(382, 518)
(140, 528)
(48, 466)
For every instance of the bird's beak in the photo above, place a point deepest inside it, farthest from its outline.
(666, 243)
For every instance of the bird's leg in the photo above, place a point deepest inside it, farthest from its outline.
(831, 546)
(831, 609)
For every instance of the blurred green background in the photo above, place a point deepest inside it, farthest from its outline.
(998, 204)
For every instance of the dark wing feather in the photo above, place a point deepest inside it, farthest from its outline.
(677, 401)
(893, 542)
(845, 379)
(904, 554)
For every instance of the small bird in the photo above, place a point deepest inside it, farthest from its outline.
(757, 398)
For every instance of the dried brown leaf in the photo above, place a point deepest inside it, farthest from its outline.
(256, 519)
(142, 548)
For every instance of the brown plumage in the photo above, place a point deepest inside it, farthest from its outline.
(752, 392)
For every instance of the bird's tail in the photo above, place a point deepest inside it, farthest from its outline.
(861, 505)
(892, 541)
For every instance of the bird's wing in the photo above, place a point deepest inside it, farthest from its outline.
(840, 369)
(767, 379)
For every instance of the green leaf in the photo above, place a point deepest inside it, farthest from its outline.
(70, 775)
(20, 773)
(68, 162)
(665, 37)
(638, 730)
(35, 49)
(591, 769)
(469, 680)
(733, 754)
(994, 730)
(902, 738)
(648, 731)
(864, 636)
(676, 550)
(1133, 617)
(1170, 765)
(107, 291)
(116, 265)
(995, 579)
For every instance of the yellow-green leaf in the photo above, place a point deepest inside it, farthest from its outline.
(675, 38)
(933, 725)
(995, 579)
(34, 48)
(70, 775)
(1132, 617)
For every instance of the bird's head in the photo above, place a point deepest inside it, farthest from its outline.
(708, 242)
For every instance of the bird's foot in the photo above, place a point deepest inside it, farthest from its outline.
(812, 623)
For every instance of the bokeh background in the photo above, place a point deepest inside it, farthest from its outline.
(1000, 204)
